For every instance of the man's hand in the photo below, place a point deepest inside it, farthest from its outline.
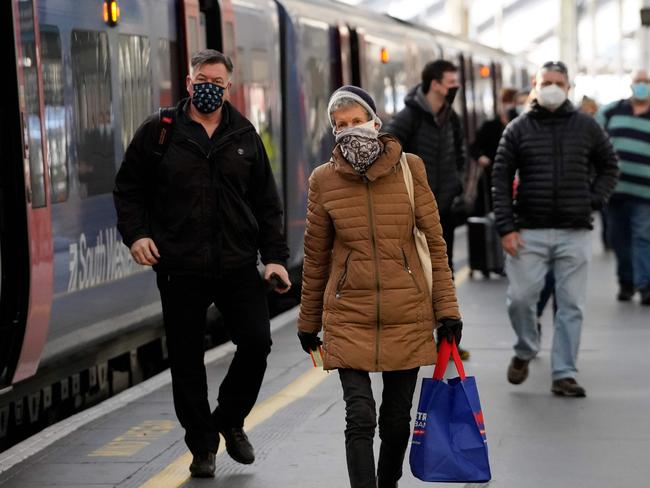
(281, 272)
(512, 242)
(484, 161)
(145, 252)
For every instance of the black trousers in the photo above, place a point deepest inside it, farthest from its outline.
(240, 296)
(361, 420)
(448, 224)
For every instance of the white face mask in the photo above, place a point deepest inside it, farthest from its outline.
(551, 97)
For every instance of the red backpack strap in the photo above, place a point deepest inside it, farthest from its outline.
(166, 117)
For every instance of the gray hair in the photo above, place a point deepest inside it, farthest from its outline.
(345, 102)
(211, 56)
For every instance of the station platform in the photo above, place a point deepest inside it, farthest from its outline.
(535, 439)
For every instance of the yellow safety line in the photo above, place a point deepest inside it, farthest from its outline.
(177, 473)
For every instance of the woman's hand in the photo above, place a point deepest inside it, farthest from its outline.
(309, 341)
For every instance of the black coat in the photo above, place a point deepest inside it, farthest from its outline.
(206, 211)
(440, 146)
(567, 168)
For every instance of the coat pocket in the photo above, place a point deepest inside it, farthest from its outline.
(408, 270)
(343, 277)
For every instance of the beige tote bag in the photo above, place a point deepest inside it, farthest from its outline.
(418, 235)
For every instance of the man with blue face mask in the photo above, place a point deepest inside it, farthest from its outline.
(567, 168)
(196, 199)
(628, 124)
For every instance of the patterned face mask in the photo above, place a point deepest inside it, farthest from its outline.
(360, 145)
(207, 97)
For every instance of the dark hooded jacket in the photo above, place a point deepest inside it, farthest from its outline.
(567, 168)
(207, 209)
(440, 146)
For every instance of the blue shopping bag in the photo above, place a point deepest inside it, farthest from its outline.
(449, 442)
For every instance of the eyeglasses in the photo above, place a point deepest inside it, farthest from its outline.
(556, 66)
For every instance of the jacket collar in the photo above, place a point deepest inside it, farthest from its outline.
(384, 165)
(539, 112)
(232, 120)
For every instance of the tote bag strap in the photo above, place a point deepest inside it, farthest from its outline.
(408, 179)
(443, 360)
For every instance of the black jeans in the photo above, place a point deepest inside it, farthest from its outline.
(448, 224)
(240, 296)
(361, 420)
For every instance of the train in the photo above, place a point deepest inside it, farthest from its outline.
(76, 312)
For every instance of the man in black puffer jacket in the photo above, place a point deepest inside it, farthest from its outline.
(429, 127)
(567, 168)
(198, 208)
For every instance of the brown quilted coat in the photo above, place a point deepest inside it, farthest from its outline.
(362, 280)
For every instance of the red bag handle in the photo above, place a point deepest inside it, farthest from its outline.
(447, 349)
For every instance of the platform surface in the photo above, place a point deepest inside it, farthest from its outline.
(535, 439)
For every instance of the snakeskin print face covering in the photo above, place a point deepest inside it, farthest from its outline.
(360, 145)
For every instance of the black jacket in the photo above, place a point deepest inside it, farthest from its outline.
(567, 167)
(206, 211)
(441, 147)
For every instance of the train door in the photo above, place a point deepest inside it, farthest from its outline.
(25, 224)
(205, 24)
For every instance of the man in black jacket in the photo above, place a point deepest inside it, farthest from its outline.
(429, 127)
(567, 168)
(196, 199)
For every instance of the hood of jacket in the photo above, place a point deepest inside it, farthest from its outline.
(418, 100)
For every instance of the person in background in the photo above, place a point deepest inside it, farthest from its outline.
(628, 124)
(548, 227)
(588, 106)
(484, 148)
(364, 287)
(428, 127)
(199, 215)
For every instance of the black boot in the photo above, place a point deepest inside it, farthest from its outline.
(625, 292)
(202, 465)
(237, 444)
(645, 296)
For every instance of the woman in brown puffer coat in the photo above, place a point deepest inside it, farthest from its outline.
(363, 284)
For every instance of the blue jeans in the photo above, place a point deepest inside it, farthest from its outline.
(629, 234)
(567, 253)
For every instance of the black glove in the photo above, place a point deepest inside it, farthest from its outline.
(450, 329)
(309, 341)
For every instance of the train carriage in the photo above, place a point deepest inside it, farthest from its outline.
(84, 75)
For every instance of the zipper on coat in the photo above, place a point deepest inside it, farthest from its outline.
(555, 175)
(373, 240)
(344, 276)
(408, 270)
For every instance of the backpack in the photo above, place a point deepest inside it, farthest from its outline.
(166, 118)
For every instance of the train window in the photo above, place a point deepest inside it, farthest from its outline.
(91, 75)
(315, 72)
(135, 84)
(30, 94)
(256, 88)
(168, 72)
(386, 81)
(55, 119)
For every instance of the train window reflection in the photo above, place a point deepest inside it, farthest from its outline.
(91, 75)
(135, 84)
(256, 87)
(32, 120)
(55, 116)
(316, 76)
(167, 72)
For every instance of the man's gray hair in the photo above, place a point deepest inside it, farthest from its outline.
(211, 56)
(345, 102)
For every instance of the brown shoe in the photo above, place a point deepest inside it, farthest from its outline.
(568, 387)
(518, 370)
